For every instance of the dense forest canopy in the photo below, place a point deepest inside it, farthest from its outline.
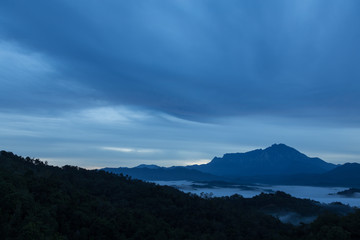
(38, 201)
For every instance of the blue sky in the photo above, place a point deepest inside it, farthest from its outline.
(119, 83)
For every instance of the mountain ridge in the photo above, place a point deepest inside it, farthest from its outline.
(277, 164)
(277, 159)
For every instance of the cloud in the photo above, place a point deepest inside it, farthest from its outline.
(196, 60)
(31, 82)
(119, 114)
(131, 150)
(76, 140)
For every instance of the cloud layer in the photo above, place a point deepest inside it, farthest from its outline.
(197, 60)
(168, 63)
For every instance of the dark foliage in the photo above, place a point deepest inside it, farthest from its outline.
(38, 201)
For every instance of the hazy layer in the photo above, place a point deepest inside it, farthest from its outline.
(321, 194)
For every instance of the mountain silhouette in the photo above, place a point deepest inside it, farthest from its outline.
(346, 174)
(277, 164)
(278, 159)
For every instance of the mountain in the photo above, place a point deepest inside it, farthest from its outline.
(350, 171)
(278, 159)
(347, 174)
(156, 173)
(277, 164)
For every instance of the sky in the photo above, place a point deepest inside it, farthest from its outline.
(121, 83)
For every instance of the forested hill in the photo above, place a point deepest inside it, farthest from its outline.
(45, 202)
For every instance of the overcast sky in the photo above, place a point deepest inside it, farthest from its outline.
(119, 83)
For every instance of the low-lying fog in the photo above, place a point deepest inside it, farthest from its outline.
(321, 194)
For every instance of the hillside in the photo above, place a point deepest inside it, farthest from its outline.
(38, 201)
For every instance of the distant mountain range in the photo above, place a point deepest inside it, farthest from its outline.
(156, 173)
(277, 164)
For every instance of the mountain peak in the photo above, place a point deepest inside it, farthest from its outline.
(283, 150)
(281, 146)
